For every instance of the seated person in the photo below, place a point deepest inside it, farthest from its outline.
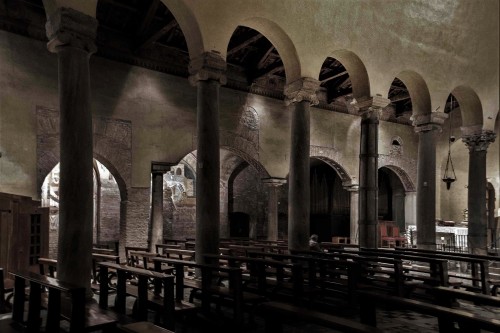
(313, 243)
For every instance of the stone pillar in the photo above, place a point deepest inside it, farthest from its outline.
(369, 109)
(410, 209)
(398, 208)
(156, 231)
(428, 127)
(207, 74)
(272, 211)
(301, 94)
(353, 189)
(477, 140)
(71, 35)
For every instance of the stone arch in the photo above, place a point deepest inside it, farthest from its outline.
(470, 106)
(332, 158)
(122, 186)
(281, 41)
(418, 90)
(408, 184)
(189, 26)
(357, 72)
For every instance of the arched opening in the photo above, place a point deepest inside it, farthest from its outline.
(107, 197)
(330, 202)
(391, 198)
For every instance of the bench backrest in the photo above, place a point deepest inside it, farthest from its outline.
(55, 289)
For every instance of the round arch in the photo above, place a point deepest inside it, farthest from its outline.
(418, 90)
(356, 70)
(281, 41)
(470, 106)
(339, 169)
(406, 181)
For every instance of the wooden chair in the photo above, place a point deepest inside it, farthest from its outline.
(385, 239)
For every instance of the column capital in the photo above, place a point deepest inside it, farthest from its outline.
(273, 181)
(429, 122)
(207, 66)
(350, 186)
(69, 27)
(478, 141)
(369, 107)
(303, 89)
(161, 167)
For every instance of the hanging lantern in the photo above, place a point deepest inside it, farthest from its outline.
(449, 172)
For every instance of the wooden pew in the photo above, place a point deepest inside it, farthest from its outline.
(175, 253)
(277, 313)
(96, 274)
(267, 277)
(143, 327)
(479, 277)
(6, 286)
(81, 316)
(133, 248)
(208, 289)
(162, 300)
(142, 259)
(47, 267)
(468, 322)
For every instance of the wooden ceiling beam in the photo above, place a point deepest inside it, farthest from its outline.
(271, 71)
(400, 97)
(157, 35)
(334, 77)
(244, 44)
(262, 60)
(148, 18)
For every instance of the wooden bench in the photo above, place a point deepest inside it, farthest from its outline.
(142, 259)
(47, 267)
(468, 322)
(161, 300)
(81, 316)
(208, 289)
(277, 313)
(6, 287)
(176, 253)
(133, 248)
(479, 277)
(96, 274)
(143, 327)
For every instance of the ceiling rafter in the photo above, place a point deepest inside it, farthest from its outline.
(157, 35)
(244, 44)
(334, 77)
(263, 59)
(400, 97)
(148, 17)
(277, 67)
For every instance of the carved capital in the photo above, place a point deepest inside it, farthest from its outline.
(302, 90)
(479, 141)
(371, 107)
(274, 181)
(207, 66)
(350, 186)
(69, 27)
(429, 122)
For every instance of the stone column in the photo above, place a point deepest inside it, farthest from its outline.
(428, 127)
(477, 140)
(410, 209)
(71, 35)
(301, 94)
(207, 74)
(369, 109)
(398, 208)
(272, 211)
(156, 234)
(353, 189)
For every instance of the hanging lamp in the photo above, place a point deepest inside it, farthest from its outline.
(449, 172)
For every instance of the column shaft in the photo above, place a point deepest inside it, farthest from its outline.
(272, 214)
(476, 202)
(354, 227)
(368, 181)
(208, 170)
(76, 179)
(426, 189)
(156, 211)
(299, 192)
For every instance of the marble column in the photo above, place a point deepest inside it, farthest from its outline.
(369, 109)
(157, 172)
(300, 95)
(477, 140)
(207, 74)
(272, 211)
(71, 35)
(428, 127)
(353, 189)
(410, 209)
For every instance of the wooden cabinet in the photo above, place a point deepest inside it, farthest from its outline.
(24, 232)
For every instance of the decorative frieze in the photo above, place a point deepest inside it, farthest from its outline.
(302, 90)
(208, 66)
(69, 27)
(479, 141)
